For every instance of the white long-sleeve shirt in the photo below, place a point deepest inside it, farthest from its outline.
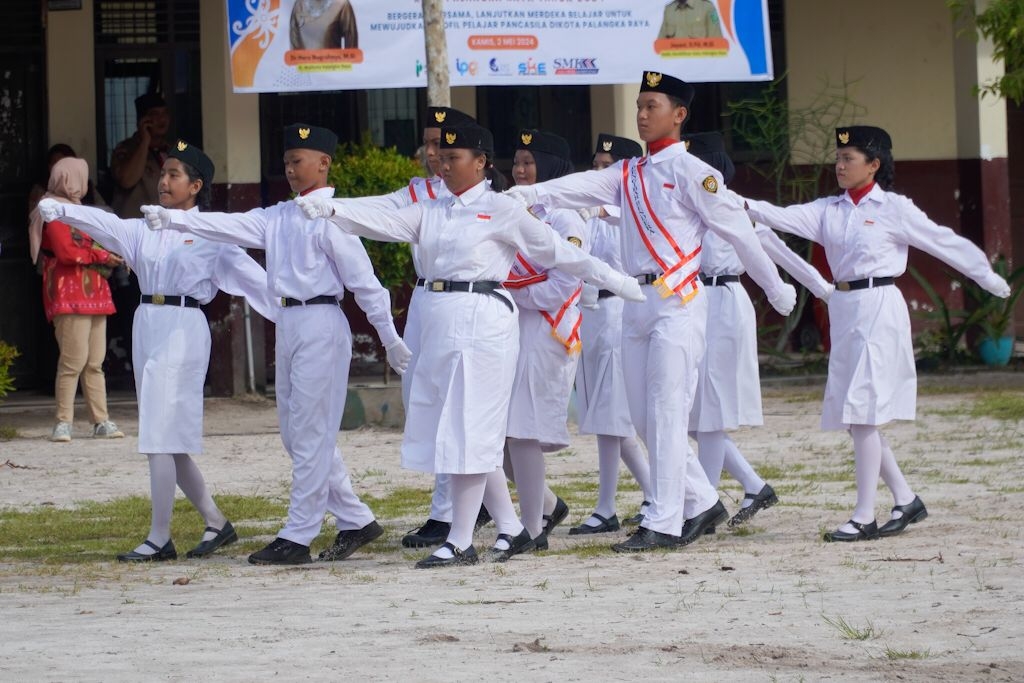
(305, 258)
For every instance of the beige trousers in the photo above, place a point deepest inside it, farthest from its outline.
(83, 345)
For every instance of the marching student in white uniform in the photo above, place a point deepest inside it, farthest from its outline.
(728, 383)
(600, 387)
(668, 200)
(872, 379)
(309, 266)
(469, 338)
(549, 341)
(435, 530)
(171, 339)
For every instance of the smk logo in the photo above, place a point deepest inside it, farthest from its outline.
(419, 68)
(576, 66)
(532, 68)
(465, 67)
(498, 68)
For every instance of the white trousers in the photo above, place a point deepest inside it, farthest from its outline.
(314, 349)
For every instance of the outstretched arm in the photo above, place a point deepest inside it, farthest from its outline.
(804, 273)
(574, 191)
(116, 234)
(247, 229)
(238, 274)
(367, 218)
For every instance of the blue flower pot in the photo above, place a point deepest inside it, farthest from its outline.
(995, 351)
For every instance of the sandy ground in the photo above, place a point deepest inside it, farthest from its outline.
(733, 607)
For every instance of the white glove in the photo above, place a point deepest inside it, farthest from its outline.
(157, 217)
(526, 194)
(588, 297)
(630, 290)
(784, 300)
(587, 214)
(830, 289)
(50, 209)
(315, 207)
(993, 282)
(399, 355)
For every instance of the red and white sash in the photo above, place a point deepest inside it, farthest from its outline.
(565, 322)
(675, 278)
(425, 183)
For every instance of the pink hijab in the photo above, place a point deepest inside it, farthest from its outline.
(69, 181)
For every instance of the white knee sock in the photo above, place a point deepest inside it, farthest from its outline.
(893, 477)
(499, 504)
(636, 462)
(191, 482)
(867, 449)
(609, 450)
(467, 494)
(711, 452)
(161, 492)
(528, 464)
(737, 466)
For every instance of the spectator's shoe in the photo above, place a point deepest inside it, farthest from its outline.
(433, 532)
(351, 540)
(161, 555)
(282, 551)
(106, 430)
(61, 433)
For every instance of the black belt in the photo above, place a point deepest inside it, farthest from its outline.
(420, 281)
(287, 301)
(604, 293)
(165, 300)
(488, 287)
(713, 280)
(866, 283)
(647, 278)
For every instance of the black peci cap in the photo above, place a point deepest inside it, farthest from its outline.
(669, 85)
(304, 136)
(542, 141)
(144, 103)
(469, 136)
(621, 148)
(865, 137)
(710, 148)
(446, 116)
(194, 157)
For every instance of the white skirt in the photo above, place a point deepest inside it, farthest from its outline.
(600, 387)
(872, 379)
(728, 382)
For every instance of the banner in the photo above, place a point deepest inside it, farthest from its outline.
(296, 45)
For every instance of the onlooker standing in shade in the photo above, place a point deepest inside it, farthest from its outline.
(77, 301)
(136, 162)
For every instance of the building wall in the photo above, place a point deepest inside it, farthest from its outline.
(71, 83)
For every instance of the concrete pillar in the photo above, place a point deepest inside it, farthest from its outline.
(613, 110)
(70, 82)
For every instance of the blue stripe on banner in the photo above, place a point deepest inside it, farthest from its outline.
(750, 23)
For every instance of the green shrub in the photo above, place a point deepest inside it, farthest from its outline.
(7, 355)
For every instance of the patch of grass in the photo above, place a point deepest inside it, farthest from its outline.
(587, 550)
(404, 501)
(850, 632)
(906, 654)
(8, 433)
(1003, 406)
(988, 462)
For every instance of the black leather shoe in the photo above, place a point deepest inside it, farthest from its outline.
(458, 558)
(483, 518)
(643, 539)
(349, 541)
(520, 544)
(865, 532)
(282, 551)
(606, 525)
(430, 534)
(161, 555)
(638, 518)
(541, 542)
(763, 499)
(225, 536)
(704, 523)
(913, 512)
(556, 517)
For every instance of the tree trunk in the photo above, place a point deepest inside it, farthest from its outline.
(438, 89)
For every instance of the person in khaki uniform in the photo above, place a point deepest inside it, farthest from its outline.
(323, 24)
(136, 162)
(690, 19)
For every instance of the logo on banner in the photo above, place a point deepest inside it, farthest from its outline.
(466, 67)
(419, 68)
(532, 68)
(576, 66)
(497, 68)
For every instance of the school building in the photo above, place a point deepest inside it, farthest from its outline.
(70, 70)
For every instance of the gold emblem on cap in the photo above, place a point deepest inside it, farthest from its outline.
(449, 138)
(710, 184)
(304, 133)
(844, 138)
(440, 116)
(527, 138)
(653, 79)
(182, 145)
(606, 145)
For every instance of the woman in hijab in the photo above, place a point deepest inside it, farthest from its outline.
(76, 299)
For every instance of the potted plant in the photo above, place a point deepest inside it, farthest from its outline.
(995, 346)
